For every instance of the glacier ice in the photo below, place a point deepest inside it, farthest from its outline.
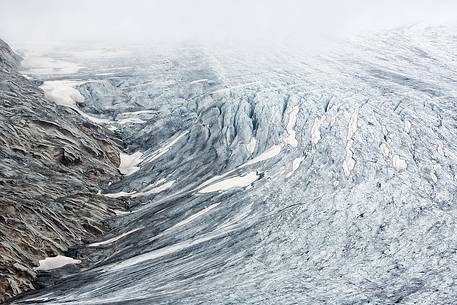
(290, 178)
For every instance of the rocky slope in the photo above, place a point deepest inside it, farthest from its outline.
(52, 163)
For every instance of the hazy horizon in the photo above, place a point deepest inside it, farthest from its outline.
(140, 21)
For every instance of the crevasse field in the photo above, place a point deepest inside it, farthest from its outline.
(270, 176)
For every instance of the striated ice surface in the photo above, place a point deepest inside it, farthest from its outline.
(271, 176)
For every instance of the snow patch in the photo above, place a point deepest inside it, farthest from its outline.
(251, 145)
(233, 182)
(398, 163)
(349, 162)
(291, 138)
(56, 262)
(194, 216)
(295, 165)
(199, 81)
(316, 129)
(268, 154)
(215, 178)
(385, 150)
(136, 113)
(118, 195)
(129, 163)
(119, 212)
(63, 92)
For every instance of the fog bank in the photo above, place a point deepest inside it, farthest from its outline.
(162, 21)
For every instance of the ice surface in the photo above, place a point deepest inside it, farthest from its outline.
(194, 216)
(347, 200)
(131, 121)
(349, 162)
(154, 190)
(40, 64)
(439, 147)
(151, 156)
(114, 239)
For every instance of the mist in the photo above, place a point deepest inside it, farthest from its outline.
(164, 21)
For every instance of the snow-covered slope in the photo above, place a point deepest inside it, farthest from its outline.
(273, 176)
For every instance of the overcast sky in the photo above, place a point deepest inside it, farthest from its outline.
(175, 20)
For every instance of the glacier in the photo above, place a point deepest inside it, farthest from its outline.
(270, 175)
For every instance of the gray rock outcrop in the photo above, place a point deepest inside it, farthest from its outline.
(52, 163)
